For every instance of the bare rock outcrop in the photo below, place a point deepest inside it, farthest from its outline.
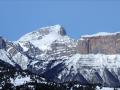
(109, 44)
(2, 43)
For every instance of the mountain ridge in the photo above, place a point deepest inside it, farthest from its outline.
(54, 55)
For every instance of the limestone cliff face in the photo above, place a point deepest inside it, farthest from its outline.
(109, 44)
(82, 46)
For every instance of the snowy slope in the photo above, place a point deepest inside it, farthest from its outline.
(21, 60)
(6, 57)
(106, 88)
(101, 34)
(42, 40)
(20, 80)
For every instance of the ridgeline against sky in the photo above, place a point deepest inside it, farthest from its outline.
(78, 17)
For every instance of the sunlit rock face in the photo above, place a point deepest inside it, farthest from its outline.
(104, 44)
(48, 51)
(107, 44)
(82, 46)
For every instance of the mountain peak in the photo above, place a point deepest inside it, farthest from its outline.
(43, 37)
(55, 28)
(39, 33)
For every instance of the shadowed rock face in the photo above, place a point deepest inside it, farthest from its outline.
(2, 43)
(100, 44)
(62, 31)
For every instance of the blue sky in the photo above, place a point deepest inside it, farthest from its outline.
(77, 16)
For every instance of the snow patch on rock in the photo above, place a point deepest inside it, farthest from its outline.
(101, 34)
(21, 60)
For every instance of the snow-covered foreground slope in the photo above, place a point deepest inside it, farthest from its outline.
(51, 53)
(21, 80)
(107, 88)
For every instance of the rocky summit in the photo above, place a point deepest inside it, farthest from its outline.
(50, 53)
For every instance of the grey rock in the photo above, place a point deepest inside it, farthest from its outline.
(2, 43)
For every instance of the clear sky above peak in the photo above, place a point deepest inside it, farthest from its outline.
(78, 17)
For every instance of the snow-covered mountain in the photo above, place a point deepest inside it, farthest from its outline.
(49, 52)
